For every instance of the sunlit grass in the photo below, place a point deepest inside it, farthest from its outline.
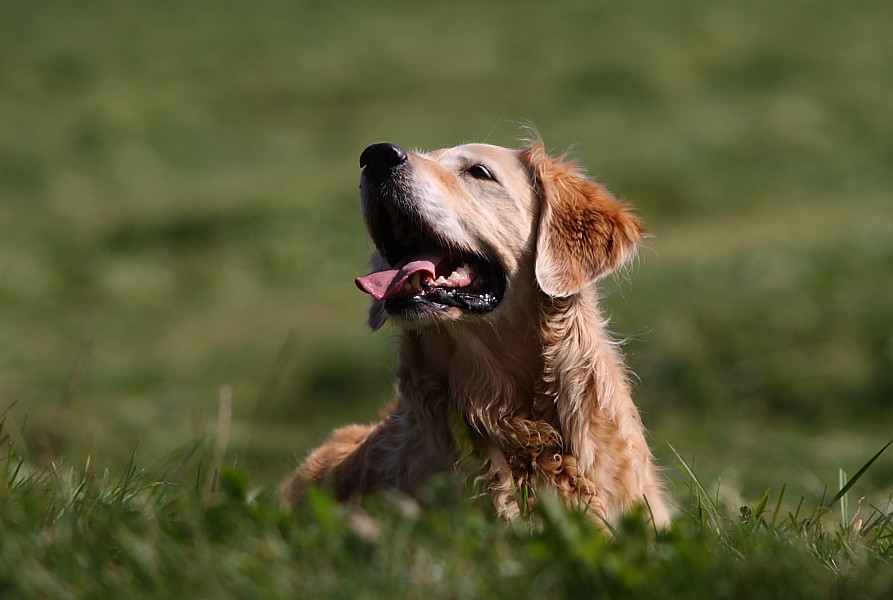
(194, 526)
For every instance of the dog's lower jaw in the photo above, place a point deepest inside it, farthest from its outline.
(422, 316)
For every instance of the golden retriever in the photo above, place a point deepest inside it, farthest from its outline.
(484, 259)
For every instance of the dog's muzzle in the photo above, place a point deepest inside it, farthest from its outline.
(426, 272)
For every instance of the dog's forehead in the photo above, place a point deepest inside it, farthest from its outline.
(469, 153)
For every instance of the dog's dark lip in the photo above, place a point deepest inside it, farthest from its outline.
(473, 303)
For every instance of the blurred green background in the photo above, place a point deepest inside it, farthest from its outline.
(178, 213)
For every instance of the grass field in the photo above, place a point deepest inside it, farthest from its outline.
(178, 223)
(199, 529)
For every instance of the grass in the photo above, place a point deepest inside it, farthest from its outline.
(179, 225)
(198, 527)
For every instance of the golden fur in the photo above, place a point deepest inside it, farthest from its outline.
(534, 393)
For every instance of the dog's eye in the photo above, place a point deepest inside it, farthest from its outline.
(480, 172)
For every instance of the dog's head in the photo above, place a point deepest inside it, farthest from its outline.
(463, 232)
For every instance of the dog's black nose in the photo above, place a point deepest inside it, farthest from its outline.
(382, 158)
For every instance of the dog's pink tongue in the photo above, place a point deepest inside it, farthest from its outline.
(386, 284)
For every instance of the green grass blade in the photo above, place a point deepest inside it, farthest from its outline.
(778, 502)
(761, 507)
(844, 500)
(704, 496)
(849, 484)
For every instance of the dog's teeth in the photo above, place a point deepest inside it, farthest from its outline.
(459, 273)
(441, 280)
(414, 282)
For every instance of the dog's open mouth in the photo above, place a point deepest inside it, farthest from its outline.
(426, 273)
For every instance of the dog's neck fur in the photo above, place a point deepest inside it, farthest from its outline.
(500, 362)
(553, 381)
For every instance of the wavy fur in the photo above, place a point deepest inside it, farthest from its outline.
(533, 394)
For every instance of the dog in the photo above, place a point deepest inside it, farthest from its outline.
(484, 260)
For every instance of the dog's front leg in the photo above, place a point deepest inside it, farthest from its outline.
(359, 459)
(330, 462)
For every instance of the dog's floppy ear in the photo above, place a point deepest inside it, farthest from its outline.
(584, 232)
